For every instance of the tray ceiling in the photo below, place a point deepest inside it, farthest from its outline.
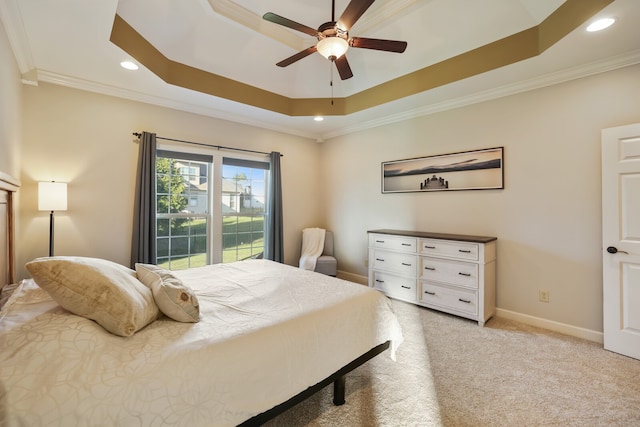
(217, 57)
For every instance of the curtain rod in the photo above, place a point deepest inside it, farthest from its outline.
(218, 147)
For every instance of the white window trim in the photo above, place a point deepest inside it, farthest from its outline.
(215, 187)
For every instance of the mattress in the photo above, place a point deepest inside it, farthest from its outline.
(267, 331)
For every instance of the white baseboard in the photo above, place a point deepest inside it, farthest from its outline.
(538, 322)
(551, 325)
(363, 280)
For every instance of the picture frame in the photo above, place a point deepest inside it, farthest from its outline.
(468, 170)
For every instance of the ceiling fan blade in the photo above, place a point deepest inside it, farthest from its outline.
(298, 56)
(277, 19)
(378, 44)
(343, 68)
(353, 12)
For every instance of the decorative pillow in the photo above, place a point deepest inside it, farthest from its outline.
(174, 298)
(97, 289)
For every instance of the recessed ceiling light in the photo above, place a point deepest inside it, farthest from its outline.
(128, 65)
(318, 118)
(600, 24)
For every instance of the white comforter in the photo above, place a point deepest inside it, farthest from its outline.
(267, 332)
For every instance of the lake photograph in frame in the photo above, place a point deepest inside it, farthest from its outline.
(469, 170)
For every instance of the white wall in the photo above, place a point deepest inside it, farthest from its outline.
(10, 102)
(548, 217)
(86, 140)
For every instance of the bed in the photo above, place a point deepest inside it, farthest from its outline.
(268, 336)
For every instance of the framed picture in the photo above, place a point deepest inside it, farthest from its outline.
(469, 170)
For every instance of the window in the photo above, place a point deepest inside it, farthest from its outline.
(182, 209)
(243, 216)
(208, 209)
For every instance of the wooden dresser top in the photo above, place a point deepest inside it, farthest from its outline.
(441, 236)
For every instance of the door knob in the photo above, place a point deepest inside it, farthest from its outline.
(614, 250)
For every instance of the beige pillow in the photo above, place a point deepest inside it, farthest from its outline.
(174, 298)
(97, 289)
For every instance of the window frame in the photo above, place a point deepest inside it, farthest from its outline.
(214, 188)
(253, 164)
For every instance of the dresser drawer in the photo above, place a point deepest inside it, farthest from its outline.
(406, 264)
(394, 243)
(461, 300)
(454, 272)
(449, 249)
(395, 286)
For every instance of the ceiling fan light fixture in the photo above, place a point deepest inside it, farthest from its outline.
(332, 47)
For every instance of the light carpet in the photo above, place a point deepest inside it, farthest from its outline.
(451, 372)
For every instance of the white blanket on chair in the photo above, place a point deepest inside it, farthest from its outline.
(312, 247)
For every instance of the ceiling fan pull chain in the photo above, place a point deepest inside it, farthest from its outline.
(331, 80)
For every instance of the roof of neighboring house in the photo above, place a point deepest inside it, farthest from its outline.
(230, 186)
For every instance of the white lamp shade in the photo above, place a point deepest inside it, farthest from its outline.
(332, 47)
(52, 196)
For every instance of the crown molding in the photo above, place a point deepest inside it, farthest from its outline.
(17, 35)
(90, 86)
(572, 73)
(248, 19)
(612, 63)
(379, 15)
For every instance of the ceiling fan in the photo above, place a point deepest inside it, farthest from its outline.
(333, 37)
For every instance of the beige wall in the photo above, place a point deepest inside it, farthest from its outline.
(548, 217)
(10, 102)
(86, 140)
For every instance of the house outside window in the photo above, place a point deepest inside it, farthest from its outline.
(244, 188)
(209, 209)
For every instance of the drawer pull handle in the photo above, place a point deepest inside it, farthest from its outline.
(430, 268)
(379, 241)
(379, 281)
(379, 259)
(429, 247)
(464, 251)
(405, 264)
(405, 287)
(430, 293)
(406, 244)
(464, 300)
(465, 274)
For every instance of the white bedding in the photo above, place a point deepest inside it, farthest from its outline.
(267, 332)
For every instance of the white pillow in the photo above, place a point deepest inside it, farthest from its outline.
(97, 289)
(174, 298)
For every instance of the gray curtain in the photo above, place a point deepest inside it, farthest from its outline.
(274, 249)
(143, 242)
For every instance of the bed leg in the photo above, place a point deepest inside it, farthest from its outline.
(338, 391)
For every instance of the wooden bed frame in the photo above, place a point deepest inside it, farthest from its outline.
(8, 187)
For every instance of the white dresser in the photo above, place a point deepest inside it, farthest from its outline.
(447, 272)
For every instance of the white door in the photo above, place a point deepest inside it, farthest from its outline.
(621, 239)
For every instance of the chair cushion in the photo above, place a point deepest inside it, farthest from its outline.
(327, 265)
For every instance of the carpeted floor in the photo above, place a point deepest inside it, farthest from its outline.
(451, 372)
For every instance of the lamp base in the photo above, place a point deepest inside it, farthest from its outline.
(51, 234)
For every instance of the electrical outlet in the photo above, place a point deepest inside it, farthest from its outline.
(543, 295)
(366, 262)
